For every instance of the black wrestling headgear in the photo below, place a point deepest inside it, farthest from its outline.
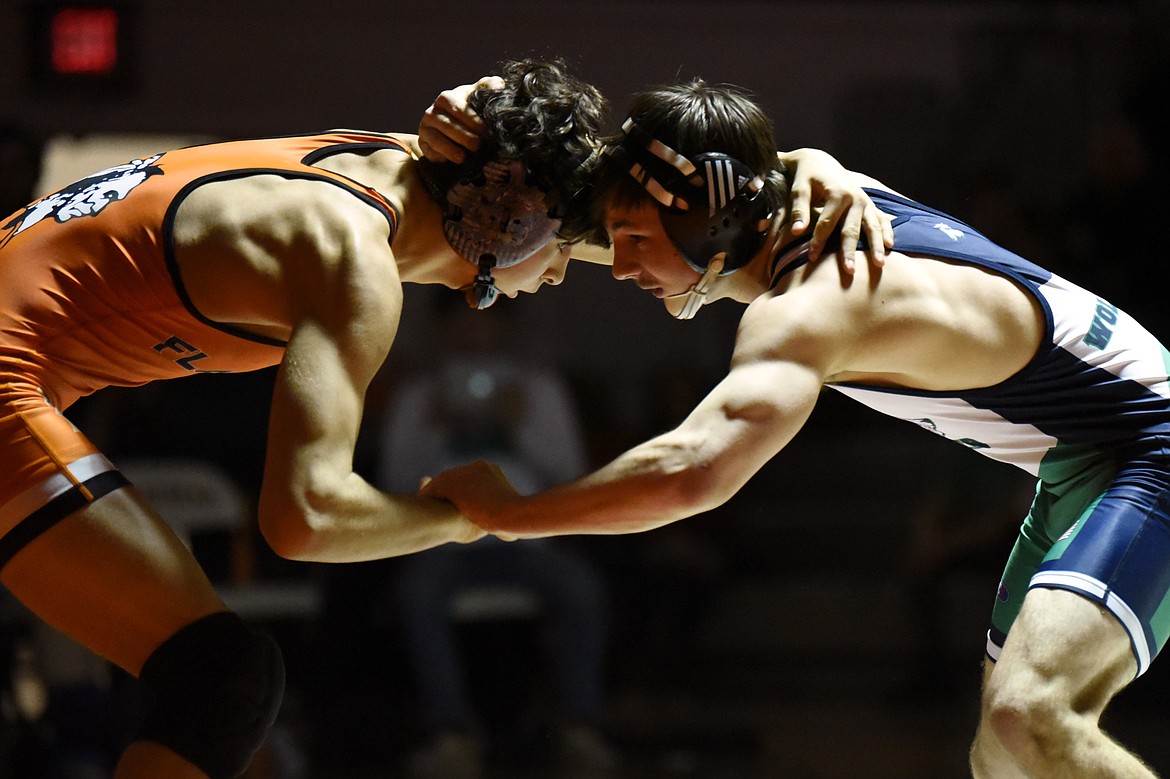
(712, 204)
(494, 217)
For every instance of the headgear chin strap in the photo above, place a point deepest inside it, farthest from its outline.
(494, 218)
(483, 291)
(694, 298)
(712, 204)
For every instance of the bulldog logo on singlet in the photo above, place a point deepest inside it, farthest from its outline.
(87, 197)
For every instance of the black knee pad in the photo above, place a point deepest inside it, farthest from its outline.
(215, 688)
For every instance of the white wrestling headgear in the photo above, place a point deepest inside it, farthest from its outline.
(496, 219)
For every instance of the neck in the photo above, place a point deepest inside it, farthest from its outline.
(754, 279)
(421, 251)
(420, 248)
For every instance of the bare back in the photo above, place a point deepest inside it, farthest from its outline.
(271, 235)
(936, 325)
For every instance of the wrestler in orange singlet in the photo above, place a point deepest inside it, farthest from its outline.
(233, 257)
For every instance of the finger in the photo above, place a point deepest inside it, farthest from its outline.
(451, 107)
(874, 222)
(441, 140)
(826, 223)
(438, 148)
(849, 242)
(851, 233)
(453, 103)
(801, 204)
(436, 122)
(847, 264)
(490, 82)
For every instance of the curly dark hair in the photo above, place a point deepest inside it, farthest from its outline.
(549, 120)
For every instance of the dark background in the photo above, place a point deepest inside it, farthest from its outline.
(816, 626)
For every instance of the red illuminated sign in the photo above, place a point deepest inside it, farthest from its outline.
(81, 48)
(84, 40)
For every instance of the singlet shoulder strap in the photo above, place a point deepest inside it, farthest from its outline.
(350, 142)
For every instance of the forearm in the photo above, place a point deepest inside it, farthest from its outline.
(749, 417)
(652, 485)
(355, 522)
(313, 506)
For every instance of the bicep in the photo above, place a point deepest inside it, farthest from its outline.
(749, 417)
(317, 400)
(786, 348)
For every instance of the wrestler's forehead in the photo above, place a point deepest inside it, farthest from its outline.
(619, 218)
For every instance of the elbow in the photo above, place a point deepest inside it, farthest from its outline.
(703, 489)
(287, 533)
(688, 478)
(288, 526)
(699, 487)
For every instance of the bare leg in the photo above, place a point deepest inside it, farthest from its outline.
(114, 577)
(1064, 660)
(989, 758)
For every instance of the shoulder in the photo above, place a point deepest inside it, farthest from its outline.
(270, 204)
(335, 217)
(815, 297)
(330, 249)
(811, 320)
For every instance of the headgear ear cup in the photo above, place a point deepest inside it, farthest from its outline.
(495, 218)
(712, 204)
(498, 213)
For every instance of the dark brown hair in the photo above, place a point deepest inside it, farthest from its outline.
(694, 117)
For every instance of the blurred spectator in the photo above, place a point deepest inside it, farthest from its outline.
(478, 402)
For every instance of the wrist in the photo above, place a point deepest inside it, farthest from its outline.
(470, 532)
(497, 516)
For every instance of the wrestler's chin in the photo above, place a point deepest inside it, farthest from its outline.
(673, 304)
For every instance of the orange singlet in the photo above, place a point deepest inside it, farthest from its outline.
(91, 297)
